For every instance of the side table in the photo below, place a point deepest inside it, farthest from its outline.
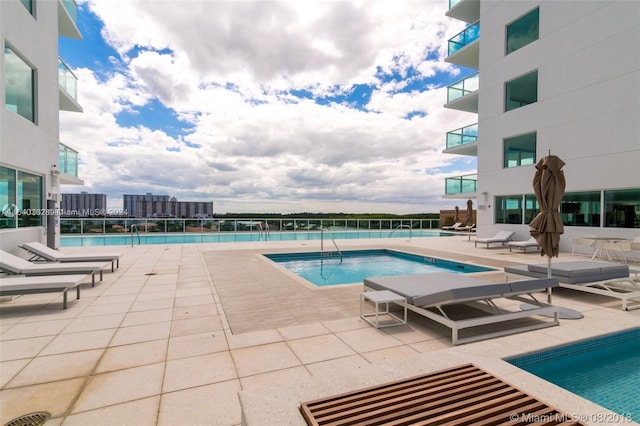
(383, 297)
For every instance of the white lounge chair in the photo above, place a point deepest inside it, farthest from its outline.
(431, 295)
(16, 265)
(524, 245)
(501, 237)
(584, 241)
(12, 286)
(452, 227)
(40, 251)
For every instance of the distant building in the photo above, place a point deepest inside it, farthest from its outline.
(130, 202)
(150, 205)
(83, 204)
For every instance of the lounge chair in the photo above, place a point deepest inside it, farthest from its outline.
(40, 251)
(16, 265)
(603, 278)
(501, 237)
(452, 227)
(431, 295)
(12, 286)
(524, 245)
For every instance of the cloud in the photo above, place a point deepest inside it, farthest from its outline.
(232, 74)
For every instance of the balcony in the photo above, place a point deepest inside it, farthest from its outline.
(464, 47)
(461, 185)
(67, 19)
(463, 141)
(464, 10)
(463, 95)
(68, 165)
(68, 84)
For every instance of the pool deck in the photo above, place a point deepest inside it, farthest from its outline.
(214, 334)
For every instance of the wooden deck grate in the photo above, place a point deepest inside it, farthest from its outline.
(464, 395)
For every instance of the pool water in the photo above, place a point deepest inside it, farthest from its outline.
(229, 237)
(605, 370)
(356, 265)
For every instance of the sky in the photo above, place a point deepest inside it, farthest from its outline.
(266, 106)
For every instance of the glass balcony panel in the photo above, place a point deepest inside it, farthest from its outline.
(463, 38)
(463, 87)
(72, 9)
(461, 184)
(464, 135)
(67, 80)
(68, 159)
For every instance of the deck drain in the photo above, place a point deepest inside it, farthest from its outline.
(151, 273)
(31, 419)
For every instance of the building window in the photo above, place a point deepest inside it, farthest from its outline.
(509, 209)
(19, 85)
(581, 208)
(531, 208)
(521, 91)
(29, 193)
(8, 197)
(21, 199)
(523, 31)
(28, 4)
(520, 150)
(622, 208)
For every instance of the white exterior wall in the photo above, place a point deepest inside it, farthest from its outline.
(24, 145)
(588, 109)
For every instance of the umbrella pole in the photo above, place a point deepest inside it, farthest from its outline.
(548, 276)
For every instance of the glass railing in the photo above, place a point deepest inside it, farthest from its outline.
(68, 160)
(463, 38)
(453, 3)
(461, 184)
(462, 136)
(463, 87)
(72, 9)
(114, 225)
(67, 80)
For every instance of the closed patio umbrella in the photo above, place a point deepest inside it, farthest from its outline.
(548, 184)
(469, 213)
(456, 215)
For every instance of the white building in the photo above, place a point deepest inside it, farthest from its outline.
(35, 85)
(552, 76)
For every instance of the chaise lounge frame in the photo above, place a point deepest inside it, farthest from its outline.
(501, 237)
(39, 251)
(14, 286)
(483, 298)
(611, 280)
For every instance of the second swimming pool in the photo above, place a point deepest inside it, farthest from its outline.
(325, 269)
(605, 370)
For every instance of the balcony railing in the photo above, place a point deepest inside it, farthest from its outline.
(67, 80)
(68, 160)
(72, 9)
(463, 38)
(464, 135)
(463, 87)
(453, 3)
(461, 185)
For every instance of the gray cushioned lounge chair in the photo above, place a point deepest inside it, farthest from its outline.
(431, 295)
(501, 237)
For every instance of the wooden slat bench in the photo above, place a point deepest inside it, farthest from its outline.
(464, 395)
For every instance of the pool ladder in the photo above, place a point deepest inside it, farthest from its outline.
(133, 228)
(322, 231)
(400, 227)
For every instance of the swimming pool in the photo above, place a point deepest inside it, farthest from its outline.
(605, 370)
(329, 268)
(230, 237)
